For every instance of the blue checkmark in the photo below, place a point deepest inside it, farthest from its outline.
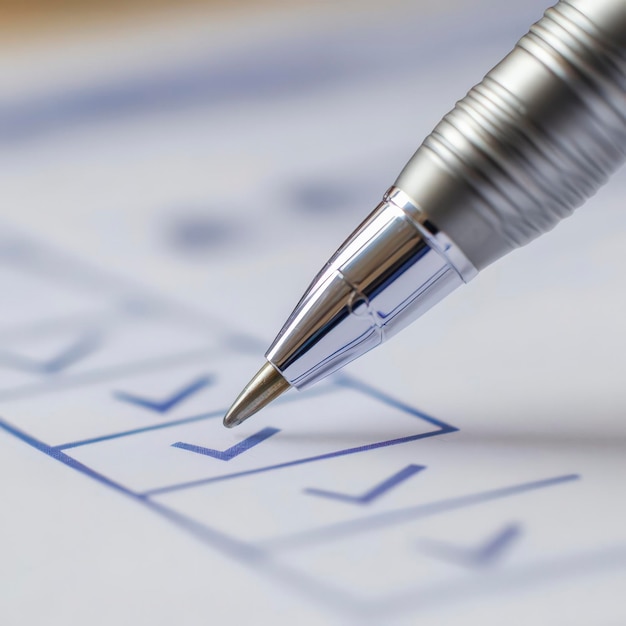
(71, 354)
(233, 451)
(375, 492)
(484, 555)
(164, 405)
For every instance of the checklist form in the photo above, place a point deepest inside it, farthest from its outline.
(160, 218)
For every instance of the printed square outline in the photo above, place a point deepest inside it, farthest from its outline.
(341, 382)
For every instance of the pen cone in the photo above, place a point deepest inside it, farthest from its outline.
(264, 387)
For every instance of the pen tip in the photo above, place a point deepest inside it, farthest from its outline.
(264, 387)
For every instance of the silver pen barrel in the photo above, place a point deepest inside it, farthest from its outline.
(540, 134)
(542, 131)
(392, 269)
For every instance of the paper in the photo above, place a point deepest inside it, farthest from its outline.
(469, 472)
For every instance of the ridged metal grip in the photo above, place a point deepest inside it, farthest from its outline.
(542, 131)
(538, 136)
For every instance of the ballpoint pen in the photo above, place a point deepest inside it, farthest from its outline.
(540, 134)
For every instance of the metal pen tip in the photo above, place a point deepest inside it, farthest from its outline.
(264, 387)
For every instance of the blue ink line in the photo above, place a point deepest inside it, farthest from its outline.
(163, 406)
(311, 459)
(240, 550)
(186, 420)
(347, 382)
(143, 429)
(374, 493)
(338, 383)
(74, 353)
(233, 451)
(498, 582)
(243, 552)
(64, 458)
(398, 516)
(482, 556)
(496, 546)
(576, 565)
(81, 348)
(52, 385)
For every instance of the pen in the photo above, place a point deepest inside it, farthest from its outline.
(538, 136)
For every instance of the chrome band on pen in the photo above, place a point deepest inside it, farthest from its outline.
(436, 238)
(525, 147)
(391, 270)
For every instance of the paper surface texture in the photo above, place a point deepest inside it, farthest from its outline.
(161, 218)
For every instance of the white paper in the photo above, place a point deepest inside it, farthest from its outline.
(469, 472)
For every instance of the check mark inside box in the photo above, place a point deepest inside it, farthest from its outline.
(331, 420)
(39, 356)
(110, 346)
(193, 389)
